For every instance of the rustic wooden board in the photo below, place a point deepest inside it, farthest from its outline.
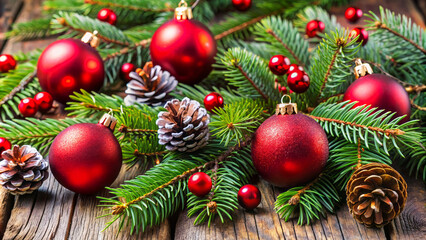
(8, 12)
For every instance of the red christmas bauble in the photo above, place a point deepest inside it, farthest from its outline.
(295, 67)
(249, 196)
(313, 27)
(44, 101)
(213, 100)
(68, 65)
(242, 5)
(28, 107)
(283, 90)
(185, 48)
(353, 14)
(107, 15)
(85, 158)
(362, 33)
(126, 69)
(279, 64)
(200, 184)
(4, 144)
(380, 91)
(298, 81)
(289, 150)
(112, 18)
(7, 63)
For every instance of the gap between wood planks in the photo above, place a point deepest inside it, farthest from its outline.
(11, 11)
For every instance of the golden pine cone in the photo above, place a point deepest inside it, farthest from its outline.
(376, 194)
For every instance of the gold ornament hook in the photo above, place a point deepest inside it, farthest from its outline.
(286, 108)
(362, 69)
(183, 12)
(91, 39)
(285, 95)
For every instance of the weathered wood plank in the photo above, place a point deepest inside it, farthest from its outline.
(8, 12)
(6, 205)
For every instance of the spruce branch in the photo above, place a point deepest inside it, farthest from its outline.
(130, 7)
(34, 29)
(85, 104)
(27, 80)
(144, 149)
(238, 28)
(250, 80)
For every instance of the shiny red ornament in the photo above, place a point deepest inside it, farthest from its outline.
(249, 197)
(283, 90)
(44, 101)
(200, 184)
(126, 69)
(380, 91)
(353, 14)
(28, 107)
(242, 5)
(295, 67)
(85, 158)
(313, 27)
(107, 15)
(4, 144)
(185, 48)
(213, 100)
(7, 63)
(68, 65)
(279, 64)
(289, 150)
(298, 81)
(362, 33)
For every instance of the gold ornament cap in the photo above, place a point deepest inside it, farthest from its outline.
(286, 108)
(183, 12)
(91, 39)
(108, 121)
(362, 69)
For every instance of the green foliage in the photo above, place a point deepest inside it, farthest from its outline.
(313, 12)
(198, 93)
(145, 149)
(87, 104)
(34, 29)
(416, 157)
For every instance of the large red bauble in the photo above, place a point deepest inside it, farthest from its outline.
(28, 107)
(200, 184)
(380, 91)
(185, 48)
(85, 158)
(353, 14)
(249, 196)
(68, 65)
(213, 100)
(313, 27)
(7, 63)
(298, 81)
(289, 150)
(4, 144)
(44, 101)
(242, 5)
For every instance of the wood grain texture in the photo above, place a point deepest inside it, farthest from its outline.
(8, 12)
(6, 205)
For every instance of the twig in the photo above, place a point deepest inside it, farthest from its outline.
(239, 27)
(139, 154)
(330, 66)
(273, 34)
(211, 205)
(359, 164)
(144, 43)
(250, 80)
(296, 198)
(125, 129)
(27, 80)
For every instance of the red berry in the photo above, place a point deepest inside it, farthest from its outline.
(298, 81)
(28, 107)
(107, 15)
(353, 14)
(213, 100)
(44, 101)
(249, 196)
(4, 144)
(283, 90)
(279, 64)
(200, 184)
(242, 5)
(112, 18)
(294, 67)
(313, 27)
(126, 69)
(7, 63)
(362, 33)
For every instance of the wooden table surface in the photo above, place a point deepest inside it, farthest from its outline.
(54, 212)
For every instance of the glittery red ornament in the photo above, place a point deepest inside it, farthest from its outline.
(249, 197)
(4, 144)
(380, 91)
(28, 107)
(213, 100)
(242, 5)
(184, 48)
(362, 33)
(126, 69)
(107, 15)
(86, 157)
(279, 64)
(298, 81)
(7, 63)
(353, 14)
(68, 65)
(313, 27)
(44, 101)
(289, 150)
(294, 67)
(200, 184)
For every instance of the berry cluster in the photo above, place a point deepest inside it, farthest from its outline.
(297, 79)
(42, 102)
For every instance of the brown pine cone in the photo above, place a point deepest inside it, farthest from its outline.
(150, 86)
(22, 170)
(184, 127)
(376, 194)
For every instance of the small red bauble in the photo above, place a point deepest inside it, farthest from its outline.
(313, 27)
(249, 197)
(126, 69)
(353, 14)
(289, 150)
(112, 18)
(7, 63)
(283, 90)
(200, 184)
(184, 48)
(242, 5)
(28, 107)
(107, 15)
(279, 64)
(298, 81)
(67, 66)
(44, 101)
(380, 91)
(213, 100)
(4, 144)
(362, 33)
(295, 67)
(85, 158)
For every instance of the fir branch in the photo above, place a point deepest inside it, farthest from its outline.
(142, 150)
(130, 7)
(144, 43)
(416, 157)
(273, 34)
(27, 80)
(250, 80)
(34, 29)
(239, 27)
(87, 104)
